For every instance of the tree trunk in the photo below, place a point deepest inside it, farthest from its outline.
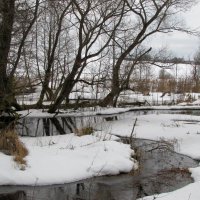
(64, 94)
(115, 90)
(7, 98)
(109, 99)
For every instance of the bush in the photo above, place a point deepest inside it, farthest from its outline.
(11, 145)
(84, 131)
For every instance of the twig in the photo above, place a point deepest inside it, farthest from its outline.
(131, 137)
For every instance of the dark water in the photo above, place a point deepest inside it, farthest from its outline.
(33, 126)
(161, 170)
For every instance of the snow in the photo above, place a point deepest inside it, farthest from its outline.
(87, 92)
(182, 130)
(67, 158)
(176, 70)
(153, 98)
(102, 111)
(197, 102)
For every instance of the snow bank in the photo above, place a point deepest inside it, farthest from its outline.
(181, 128)
(102, 111)
(66, 158)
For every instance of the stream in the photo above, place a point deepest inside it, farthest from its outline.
(35, 126)
(161, 169)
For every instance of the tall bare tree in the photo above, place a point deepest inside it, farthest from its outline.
(8, 13)
(7, 10)
(149, 17)
(53, 45)
(92, 19)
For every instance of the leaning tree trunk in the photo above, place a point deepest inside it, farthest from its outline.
(66, 89)
(115, 89)
(7, 10)
(110, 98)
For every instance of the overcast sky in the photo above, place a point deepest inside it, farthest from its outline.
(181, 44)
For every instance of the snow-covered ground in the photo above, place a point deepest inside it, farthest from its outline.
(182, 130)
(67, 158)
(84, 91)
(104, 111)
(128, 96)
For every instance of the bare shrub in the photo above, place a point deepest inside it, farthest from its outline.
(11, 145)
(84, 131)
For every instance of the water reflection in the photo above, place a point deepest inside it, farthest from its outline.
(112, 118)
(30, 126)
(19, 195)
(34, 127)
(46, 126)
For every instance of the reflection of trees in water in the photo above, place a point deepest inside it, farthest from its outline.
(61, 125)
(68, 122)
(121, 187)
(36, 131)
(112, 118)
(56, 125)
(46, 126)
(19, 195)
(103, 192)
(79, 191)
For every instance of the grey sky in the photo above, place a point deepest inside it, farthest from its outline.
(181, 44)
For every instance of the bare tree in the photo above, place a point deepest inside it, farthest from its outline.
(53, 43)
(92, 19)
(196, 71)
(149, 17)
(60, 39)
(9, 10)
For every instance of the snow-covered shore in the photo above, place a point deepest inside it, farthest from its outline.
(101, 111)
(182, 130)
(67, 158)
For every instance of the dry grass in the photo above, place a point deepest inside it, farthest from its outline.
(176, 170)
(84, 131)
(11, 145)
